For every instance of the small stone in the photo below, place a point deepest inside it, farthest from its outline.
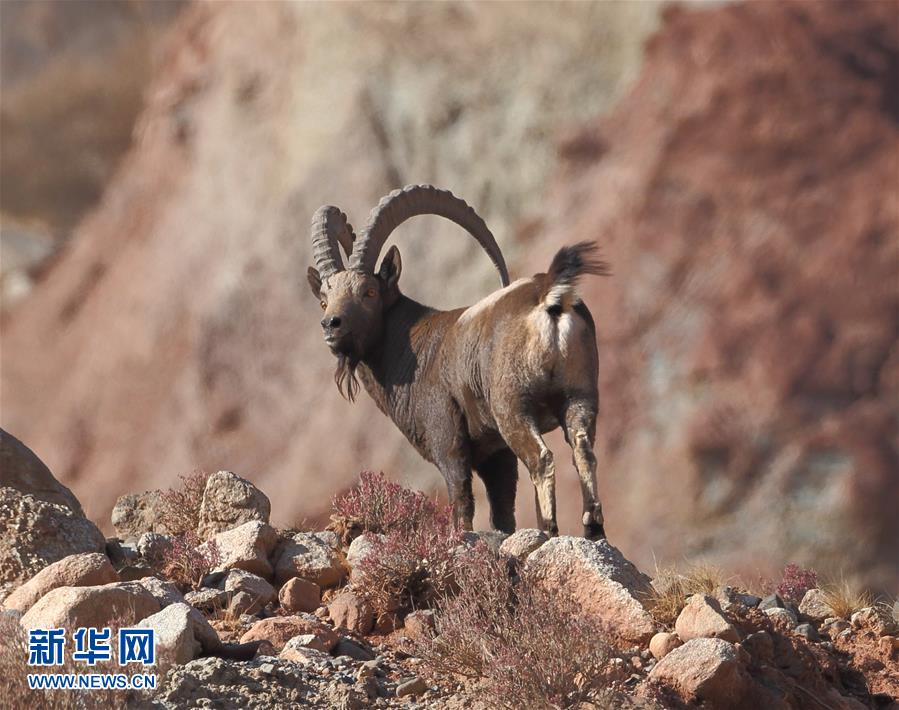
(663, 643)
(493, 539)
(702, 618)
(84, 570)
(412, 686)
(247, 547)
(814, 605)
(154, 547)
(808, 632)
(164, 592)
(360, 548)
(230, 501)
(783, 619)
(73, 607)
(314, 557)
(864, 617)
(606, 585)
(704, 669)
(280, 629)
(770, 602)
(353, 649)
(257, 589)
(300, 595)
(349, 611)
(760, 646)
(420, 625)
(174, 635)
(522, 543)
(749, 600)
(138, 513)
(243, 604)
(209, 601)
(305, 648)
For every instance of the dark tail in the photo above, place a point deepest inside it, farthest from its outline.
(568, 265)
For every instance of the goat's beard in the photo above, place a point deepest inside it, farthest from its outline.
(345, 377)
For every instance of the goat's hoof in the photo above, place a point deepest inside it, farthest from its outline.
(595, 531)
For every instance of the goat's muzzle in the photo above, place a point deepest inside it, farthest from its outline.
(338, 340)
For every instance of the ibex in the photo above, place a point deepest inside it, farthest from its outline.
(473, 387)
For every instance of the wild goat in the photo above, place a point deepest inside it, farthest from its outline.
(472, 387)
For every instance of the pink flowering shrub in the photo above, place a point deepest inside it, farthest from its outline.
(795, 582)
(527, 645)
(186, 561)
(378, 505)
(181, 504)
(413, 539)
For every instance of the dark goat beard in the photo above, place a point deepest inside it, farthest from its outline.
(345, 377)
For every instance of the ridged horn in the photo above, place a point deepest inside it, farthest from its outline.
(412, 200)
(330, 227)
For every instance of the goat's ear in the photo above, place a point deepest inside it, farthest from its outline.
(315, 282)
(390, 269)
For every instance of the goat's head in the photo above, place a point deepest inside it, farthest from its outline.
(355, 299)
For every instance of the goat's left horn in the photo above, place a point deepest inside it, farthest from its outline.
(412, 200)
(330, 227)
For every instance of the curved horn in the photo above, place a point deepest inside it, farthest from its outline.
(330, 226)
(412, 200)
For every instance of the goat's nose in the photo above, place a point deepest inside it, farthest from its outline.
(330, 322)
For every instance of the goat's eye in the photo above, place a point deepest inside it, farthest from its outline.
(371, 293)
(323, 305)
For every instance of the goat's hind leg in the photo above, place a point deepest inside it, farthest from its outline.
(499, 471)
(580, 433)
(524, 438)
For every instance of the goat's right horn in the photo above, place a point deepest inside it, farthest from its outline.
(330, 226)
(412, 200)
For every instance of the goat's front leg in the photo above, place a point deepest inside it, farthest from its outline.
(451, 452)
(458, 486)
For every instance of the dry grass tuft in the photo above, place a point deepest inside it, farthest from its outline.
(672, 587)
(845, 598)
(227, 621)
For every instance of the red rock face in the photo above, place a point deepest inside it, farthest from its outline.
(746, 196)
(744, 192)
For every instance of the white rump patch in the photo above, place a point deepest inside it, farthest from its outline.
(553, 335)
(487, 302)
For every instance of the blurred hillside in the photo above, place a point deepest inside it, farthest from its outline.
(744, 191)
(72, 75)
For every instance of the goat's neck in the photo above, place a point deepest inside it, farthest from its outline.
(391, 372)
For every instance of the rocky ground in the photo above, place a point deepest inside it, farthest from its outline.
(247, 615)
